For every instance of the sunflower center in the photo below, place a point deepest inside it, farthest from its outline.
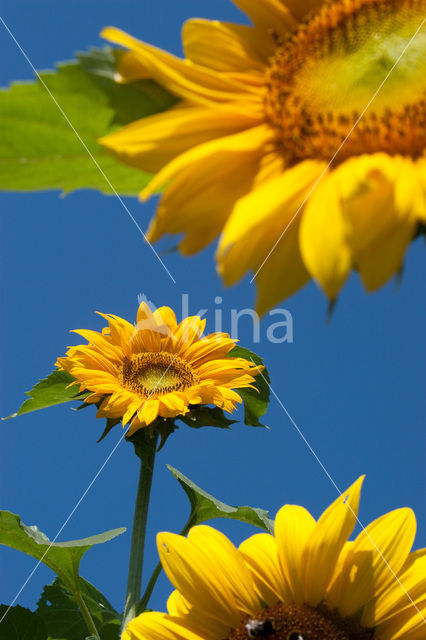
(156, 374)
(300, 622)
(351, 55)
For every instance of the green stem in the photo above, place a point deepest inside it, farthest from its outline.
(147, 455)
(153, 579)
(86, 615)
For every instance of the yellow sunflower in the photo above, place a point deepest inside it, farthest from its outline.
(156, 368)
(308, 582)
(266, 147)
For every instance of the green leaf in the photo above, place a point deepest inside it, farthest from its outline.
(203, 416)
(40, 150)
(205, 507)
(59, 610)
(62, 557)
(50, 391)
(21, 624)
(255, 400)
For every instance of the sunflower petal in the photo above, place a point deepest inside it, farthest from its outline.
(159, 626)
(408, 589)
(261, 555)
(323, 237)
(375, 557)
(268, 15)
(152, 142)
(224, 46)
(186, 81)
(293, 527)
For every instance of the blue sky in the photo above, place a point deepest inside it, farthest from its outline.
(354, 385)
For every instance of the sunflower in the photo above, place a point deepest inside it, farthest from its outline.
(267, 147)
(156, 368)
(308, 582)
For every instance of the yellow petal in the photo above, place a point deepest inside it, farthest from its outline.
(204, 189)
(380, 261)
(224, 46)
(157, 625)
(255, 226)
(261, 555)
(293, 527)
(268, 15)
(324, 237)
(403, 593)
(187, 81)
(283, 273)
(410, 624)
(198, 578)
(152, 142)
(213, 544)
(381, 200)
(377, 554)
(326, 542)
(250, 141)
(130, 68)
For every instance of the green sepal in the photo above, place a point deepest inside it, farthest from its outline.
(205, 507)
(59, 610)
(204, 416)
(255, 400)
(18, 623)
(110, 423)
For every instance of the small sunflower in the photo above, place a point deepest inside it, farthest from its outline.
(253, 142)
(156, 368)
(308, 582)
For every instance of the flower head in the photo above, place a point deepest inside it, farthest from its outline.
(305, 582)
(156, 368)
(299, 140)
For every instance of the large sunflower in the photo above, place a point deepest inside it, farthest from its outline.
(263, 111)
(158, 368)
(305, 583)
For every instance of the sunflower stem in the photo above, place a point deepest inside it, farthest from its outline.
(146, 452)
(86, 615)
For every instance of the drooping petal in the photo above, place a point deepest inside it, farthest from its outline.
(204, 187)
(263, 227)
(324, 237)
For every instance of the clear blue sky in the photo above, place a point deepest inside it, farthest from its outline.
(354, 386)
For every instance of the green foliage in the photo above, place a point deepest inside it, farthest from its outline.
(60, 613)
(255, 400)
(40, 150)
(205, 507)
(21, 624)
(62, 557)
(204, 416)
(49, 391)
